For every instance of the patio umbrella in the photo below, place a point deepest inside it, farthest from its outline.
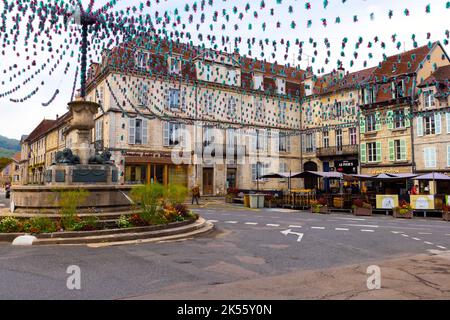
(434, 176)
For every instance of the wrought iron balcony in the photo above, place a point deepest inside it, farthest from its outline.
(338, 151)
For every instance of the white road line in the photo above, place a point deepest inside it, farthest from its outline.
(417, 239)
(448, 234)
(251, 223)
(405, 235)
(294, 226)
(425, 233)
(213, 221)
(356, 219)
(341, 229)
(362, 225)
(366, 230)
(430, 243)
(232, 222)
(397, 232)
(318, 228)
(272, 225)
(441, 247)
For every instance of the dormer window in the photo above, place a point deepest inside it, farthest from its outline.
(369, 94)
(175, 65)
(281, 86)
(258, 82)
(428, 99)
(398, 89)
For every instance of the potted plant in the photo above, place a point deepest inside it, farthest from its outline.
(446, 212)
(361, 208)
(231, 194)
(319, 206)
(404, 211)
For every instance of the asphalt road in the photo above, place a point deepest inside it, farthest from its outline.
(247, 244)
(4, 203)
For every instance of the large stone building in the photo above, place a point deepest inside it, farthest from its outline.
(239, 117)
(388, 107)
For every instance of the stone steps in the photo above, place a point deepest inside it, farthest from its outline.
(126, 235)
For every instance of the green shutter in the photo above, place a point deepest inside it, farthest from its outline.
(379, 151)
(362, 124)
(391, 150)
(363, 153)
(419, 126)
(407, 118)
(377, 122)
(403, 149)
(390, 119)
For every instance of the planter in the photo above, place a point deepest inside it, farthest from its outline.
(320, 210)
(446, 215)
(398, 215)
(338, 202)
(362, 212)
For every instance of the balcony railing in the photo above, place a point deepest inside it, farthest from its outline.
(337, 151)
(238, 151)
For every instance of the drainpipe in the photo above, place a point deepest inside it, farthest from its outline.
(412, 104)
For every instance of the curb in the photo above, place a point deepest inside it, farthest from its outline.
(184, 231)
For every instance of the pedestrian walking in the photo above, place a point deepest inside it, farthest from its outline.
(195, 194)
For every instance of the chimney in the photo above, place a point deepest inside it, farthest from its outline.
(340, 72)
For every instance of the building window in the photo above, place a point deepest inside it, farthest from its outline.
(209, 105)
(429, 125)
(258, 170)
(281, 86)
(309, 143)
(326, 139)
(175, 65)
(399, 152)
(260, 112)
(261, 140)
(174, 99)
(143, 94)
(232, 77)
(428, 99)
(338, 108)
(309, 115)
(208, 136)
(232, 107)
(138, 131)
(371, 122)
(353, 137)
(173, 134)
(99, 130)
(282, 111)
(339, 141)
(284, 142)
(430, 157)
(398, 89)
(399, 119)
(372, 151)
(369, 95)
(258, 82)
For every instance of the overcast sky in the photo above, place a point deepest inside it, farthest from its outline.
(372, 21)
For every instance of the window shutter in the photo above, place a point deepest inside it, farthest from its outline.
(438, 123)
(362, 124)
(391, 150)
(363, 153)
(403, 149)
(433, 157)
(447, 115)
(166, 133)
(144, 131)
(377, 122)
(254, 139)
(407, 118)
(132, 131)
(393, 90)
(426, 158)
(253, 172)
(182, 135)
(403, 88)
(379, 156)
(288, 142)
(276, 135)
(167, 98)
(448, 155)
(183, 99)
(390, 119)
(419, 126)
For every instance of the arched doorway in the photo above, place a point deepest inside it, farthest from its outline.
(310, 183)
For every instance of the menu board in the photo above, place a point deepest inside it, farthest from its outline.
(425, 202)
(386, 201)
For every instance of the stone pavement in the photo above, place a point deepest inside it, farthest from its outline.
(416, 277)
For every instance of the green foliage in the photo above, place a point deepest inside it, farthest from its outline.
(10, 224)
(4, 159)
(89, 223)
(176, 194)
(69, 201)
(148, 198)
(124, 222)
(40, 225)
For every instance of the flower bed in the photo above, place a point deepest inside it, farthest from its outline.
(446, 213)
(361, 208)
(404, 211)
(320, 206)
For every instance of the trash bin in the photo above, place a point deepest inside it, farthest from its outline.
(246, 200)
(253, 201)
(261, 198)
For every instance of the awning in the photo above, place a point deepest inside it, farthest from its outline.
(319, 174)
(436, 176)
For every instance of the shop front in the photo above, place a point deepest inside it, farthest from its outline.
(153, 167)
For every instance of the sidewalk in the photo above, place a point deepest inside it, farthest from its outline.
(415, 277)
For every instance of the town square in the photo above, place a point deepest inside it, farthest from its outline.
(221, 150)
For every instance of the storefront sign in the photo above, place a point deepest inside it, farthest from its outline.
(391, 171)
(422, 202)
(148, 154)
(346, 166)
(387, 201)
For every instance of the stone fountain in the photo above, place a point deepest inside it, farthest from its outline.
(76, 168)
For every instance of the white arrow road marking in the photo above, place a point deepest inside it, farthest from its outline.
(441, 247)
(396, 232)
(405, 235)
(417, 239)
(289, 231)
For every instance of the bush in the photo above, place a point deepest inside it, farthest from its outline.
(123, 222)
(322, 201)
(69, 201)
(9, 224)
(148, 198)
(176, 194)
(89, 223)
(40, 225)
(182, 210)
(137, 221)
